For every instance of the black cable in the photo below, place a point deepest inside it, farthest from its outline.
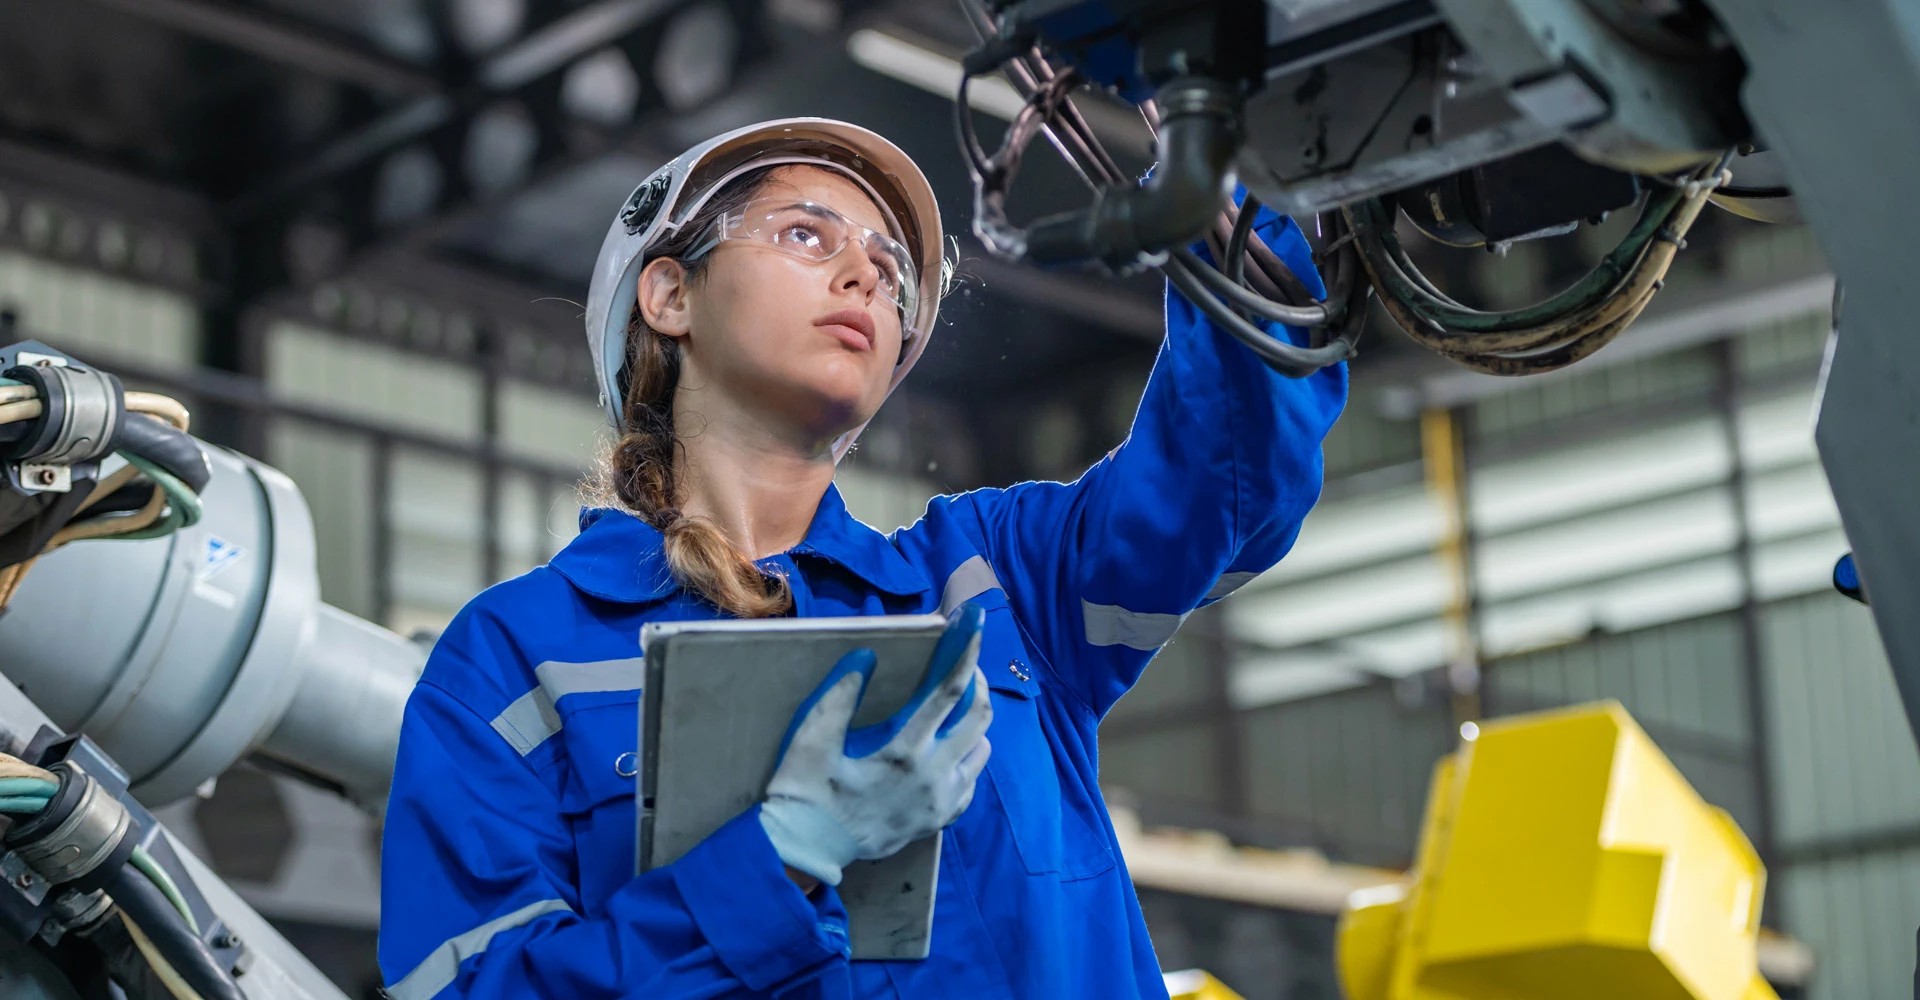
(1281, 356)
(1236, 259)
(147, 907)
(977, 163)
(1243, 298)
(166, 447)
(130, 497)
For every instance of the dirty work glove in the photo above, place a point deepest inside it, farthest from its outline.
(841, 795)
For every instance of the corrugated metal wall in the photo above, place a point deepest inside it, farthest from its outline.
(91, 315)
(1847, 793)
(433, 504)
(1859, 915)
(1352, 766)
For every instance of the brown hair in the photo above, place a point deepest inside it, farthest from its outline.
(639, 471)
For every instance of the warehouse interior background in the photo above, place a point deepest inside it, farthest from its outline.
(352, 234)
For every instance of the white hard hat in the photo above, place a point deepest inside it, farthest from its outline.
(665, 201)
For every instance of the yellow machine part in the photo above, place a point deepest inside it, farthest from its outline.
(1562, 857)
(1197, 984)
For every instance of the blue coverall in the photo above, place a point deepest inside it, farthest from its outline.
(509, 846)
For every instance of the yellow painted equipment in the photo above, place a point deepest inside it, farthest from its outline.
(1562, 857)
(1197, 984)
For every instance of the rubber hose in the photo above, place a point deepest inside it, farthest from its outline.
(165, 447)
(1199, 135)
(147, 906)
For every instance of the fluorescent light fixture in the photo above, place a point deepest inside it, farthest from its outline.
(931, 71)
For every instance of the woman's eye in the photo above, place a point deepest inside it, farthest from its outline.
(801, 234)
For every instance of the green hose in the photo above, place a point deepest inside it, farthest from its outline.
(183, 505)
(145, 864)
(1382, 247)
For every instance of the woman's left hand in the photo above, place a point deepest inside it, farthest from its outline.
(843, 795)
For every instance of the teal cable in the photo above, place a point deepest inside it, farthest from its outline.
(27, 804)
(183, 503)
(36, 787)
(145, 864)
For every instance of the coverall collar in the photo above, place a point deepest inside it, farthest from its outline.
(618, 557)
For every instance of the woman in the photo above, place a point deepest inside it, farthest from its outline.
(754, 304)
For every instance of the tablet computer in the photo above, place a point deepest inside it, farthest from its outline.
(718, 698)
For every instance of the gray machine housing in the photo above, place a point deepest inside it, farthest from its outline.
(182, 654)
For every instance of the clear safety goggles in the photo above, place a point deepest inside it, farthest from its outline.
(812, 231)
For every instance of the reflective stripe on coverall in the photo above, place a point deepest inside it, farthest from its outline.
(509, 845)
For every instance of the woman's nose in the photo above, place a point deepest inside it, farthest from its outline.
(861, 272)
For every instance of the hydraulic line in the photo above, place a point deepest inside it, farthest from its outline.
(1551, 334)
(1199, 135)
(147, 908)
(166, 447)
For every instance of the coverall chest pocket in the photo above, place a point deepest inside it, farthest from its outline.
(597, 797)
(1051, 812)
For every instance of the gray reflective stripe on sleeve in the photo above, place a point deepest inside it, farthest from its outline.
(438, 970)
(968, 581)
(1109, 625)
(528, 721)
(1228, 583)
(532, 718)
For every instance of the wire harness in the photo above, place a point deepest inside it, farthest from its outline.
(1551, 334)
(1128, 222)
(155, 493)
(1250, 285)
(72, 832)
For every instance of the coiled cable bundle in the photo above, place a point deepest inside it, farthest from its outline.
(1551, 334)
(1362, 256)
(155, 493)
(1252, 284)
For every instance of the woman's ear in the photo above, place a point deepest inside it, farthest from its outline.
(663, 297)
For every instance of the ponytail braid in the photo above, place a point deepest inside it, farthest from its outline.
(639, 471)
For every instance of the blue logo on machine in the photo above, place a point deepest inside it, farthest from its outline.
(219, 555)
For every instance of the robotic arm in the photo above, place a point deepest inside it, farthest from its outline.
(160, 596)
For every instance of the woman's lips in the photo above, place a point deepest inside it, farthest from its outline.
(853, 326)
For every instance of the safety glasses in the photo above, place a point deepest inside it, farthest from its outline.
(812, 231)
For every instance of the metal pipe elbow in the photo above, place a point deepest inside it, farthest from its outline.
(1200, 131)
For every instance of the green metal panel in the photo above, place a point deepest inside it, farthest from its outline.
(435, 515)
(1844, 761)
(373, 382)
(99, 318)
(1352, 766)
(1687, 373)
(1176, 680)
(1681, 678)
(335, 474)
(1363, 439)
(1858, 914)
(551, 426)
(1173, 765)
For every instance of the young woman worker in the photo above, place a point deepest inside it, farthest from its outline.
(754, 303)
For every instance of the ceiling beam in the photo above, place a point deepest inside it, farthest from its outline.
(545, 50)
(282, 40)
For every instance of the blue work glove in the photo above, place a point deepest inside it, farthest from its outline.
(841, 795)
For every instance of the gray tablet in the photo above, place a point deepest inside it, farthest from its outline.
(719, 696)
